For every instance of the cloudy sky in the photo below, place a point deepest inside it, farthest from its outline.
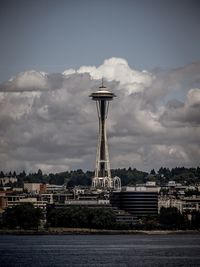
(53, 54)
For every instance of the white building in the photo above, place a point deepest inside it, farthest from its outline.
(141, 188)
(55, 188)
(33, 188)
(7, 180)
(167, 202)
(33, 200)
(185, 205)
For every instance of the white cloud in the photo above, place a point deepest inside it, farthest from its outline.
(56, 129)
(184, 114)
(193, 97)
(69, 72)
(16, 104)
(26, 81)
(117, 69)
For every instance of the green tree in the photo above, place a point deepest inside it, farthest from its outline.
(101, 218)
(24, 216)
(195, 220)
(22, 175)
(171, 218)
(81, 217)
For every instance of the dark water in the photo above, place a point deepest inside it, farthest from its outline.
(100, 250)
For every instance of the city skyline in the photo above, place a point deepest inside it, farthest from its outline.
(54, 54)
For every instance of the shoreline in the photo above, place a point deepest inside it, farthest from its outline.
(85, 231)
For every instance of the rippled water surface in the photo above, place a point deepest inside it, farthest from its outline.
(100, 250)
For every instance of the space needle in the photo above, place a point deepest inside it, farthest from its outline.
(102, 178)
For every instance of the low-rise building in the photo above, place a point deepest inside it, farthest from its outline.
(91, 202)
(184, 205)
(55, 188)
(35, 188)
(37, 203)
(169, 202)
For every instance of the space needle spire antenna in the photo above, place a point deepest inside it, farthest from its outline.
(102, 178)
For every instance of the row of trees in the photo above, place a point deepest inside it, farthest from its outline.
(171, 219)
(129, 176)
(25, 216)
(82, 217)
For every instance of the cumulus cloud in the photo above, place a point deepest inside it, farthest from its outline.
(117, 69)
(26, 81)
(186, 114)
(49, 122)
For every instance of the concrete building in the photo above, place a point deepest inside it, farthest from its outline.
(55, 188)
(91, 202)
(35, 188)
(46, 197)
(191, 204)
(185, 205)
(36, 203)
(168, 202)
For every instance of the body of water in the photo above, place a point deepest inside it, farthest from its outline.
(100, 250)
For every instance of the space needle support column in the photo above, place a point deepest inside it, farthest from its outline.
(102, 139)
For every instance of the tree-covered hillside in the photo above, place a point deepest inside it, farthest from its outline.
(130, 176)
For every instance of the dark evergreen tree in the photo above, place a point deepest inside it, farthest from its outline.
(153, 172)
(81, 217)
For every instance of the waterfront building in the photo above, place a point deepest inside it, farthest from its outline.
(169, 202)
(185, 205)
(138, 201)
(21, 200)
(89, 202)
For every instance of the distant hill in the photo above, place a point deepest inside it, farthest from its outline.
(130, 176)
